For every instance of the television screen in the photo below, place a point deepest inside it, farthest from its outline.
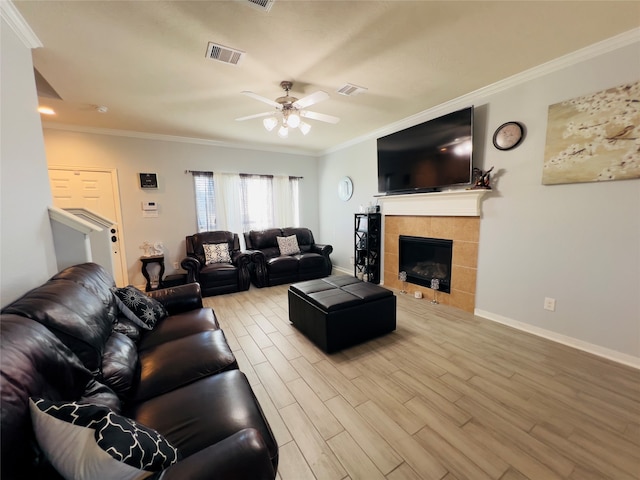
(428, 156)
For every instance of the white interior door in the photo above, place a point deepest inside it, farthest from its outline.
(95, 190)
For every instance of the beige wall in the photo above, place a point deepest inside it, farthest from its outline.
(175, 195)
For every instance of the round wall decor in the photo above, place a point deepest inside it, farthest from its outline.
(345, 189)
(508, 135)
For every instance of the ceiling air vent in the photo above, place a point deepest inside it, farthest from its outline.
(351, 90)
(224, 54)
(264, 5)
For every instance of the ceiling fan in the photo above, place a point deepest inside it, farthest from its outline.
(290, 110)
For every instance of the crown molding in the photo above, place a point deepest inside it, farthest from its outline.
(18, 24)
(174, 138)
(610, 44)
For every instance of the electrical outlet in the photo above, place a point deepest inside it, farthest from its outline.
(176, 265)
(550, 304)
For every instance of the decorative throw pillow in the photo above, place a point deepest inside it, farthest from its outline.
(216, 253)
(141, 309)
(87, 441)
(288, 245)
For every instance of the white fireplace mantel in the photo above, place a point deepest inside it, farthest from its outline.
(454, 203)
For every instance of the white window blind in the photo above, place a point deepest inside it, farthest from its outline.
(205, 201)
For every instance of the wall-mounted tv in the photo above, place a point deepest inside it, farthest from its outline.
(428, 156)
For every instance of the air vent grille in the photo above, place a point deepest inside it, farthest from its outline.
(224, 54)
(351, 90)
(264, 5)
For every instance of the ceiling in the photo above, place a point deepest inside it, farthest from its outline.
(145, 60)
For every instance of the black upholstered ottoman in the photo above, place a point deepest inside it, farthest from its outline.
(340, 311)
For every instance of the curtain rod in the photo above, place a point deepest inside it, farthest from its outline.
(268, 175)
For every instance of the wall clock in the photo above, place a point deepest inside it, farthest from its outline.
(345, 189)
(508, 135)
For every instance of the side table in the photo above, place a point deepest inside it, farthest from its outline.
(156, 282)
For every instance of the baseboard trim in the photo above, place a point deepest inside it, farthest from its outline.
(618, 357)
(343, 270)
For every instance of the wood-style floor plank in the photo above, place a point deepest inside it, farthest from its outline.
(447, 396)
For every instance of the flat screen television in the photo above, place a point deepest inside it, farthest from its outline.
(427, 156)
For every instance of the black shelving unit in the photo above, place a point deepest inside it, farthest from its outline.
(367, 239)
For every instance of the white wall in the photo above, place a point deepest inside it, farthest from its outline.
(579, 243)
(27, 256)
(336, 216)
(175, 196)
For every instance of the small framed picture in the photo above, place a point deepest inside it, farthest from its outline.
(148, 180)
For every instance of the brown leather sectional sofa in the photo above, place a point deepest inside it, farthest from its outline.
(66, 341)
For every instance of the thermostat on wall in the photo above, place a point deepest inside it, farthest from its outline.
(148, 180)
(149, 209)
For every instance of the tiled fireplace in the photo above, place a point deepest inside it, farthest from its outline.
(448, 215)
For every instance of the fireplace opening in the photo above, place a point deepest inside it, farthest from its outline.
(425, 259)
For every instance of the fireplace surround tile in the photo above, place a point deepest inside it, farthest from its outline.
(464, 278)
(465, 233)
(465, 253)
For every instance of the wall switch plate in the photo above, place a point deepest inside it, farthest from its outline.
(550, 304)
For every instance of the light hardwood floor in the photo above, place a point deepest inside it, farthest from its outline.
(446, 396)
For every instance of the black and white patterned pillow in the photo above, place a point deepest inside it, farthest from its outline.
(216, 253)
(288, 245)
(88, 441)
(141, 309)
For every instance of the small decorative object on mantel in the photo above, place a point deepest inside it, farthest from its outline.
(483, 179)
(435, 286)
(403, 278)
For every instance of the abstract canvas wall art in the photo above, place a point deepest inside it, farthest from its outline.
(594, 137)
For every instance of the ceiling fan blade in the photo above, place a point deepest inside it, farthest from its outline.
(320, 116)
(312, 99)
(257, 115)
(262, 99)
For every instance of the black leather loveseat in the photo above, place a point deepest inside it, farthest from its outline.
(66, 341)
(271, 266)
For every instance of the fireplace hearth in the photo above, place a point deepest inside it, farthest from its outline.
(425, 259)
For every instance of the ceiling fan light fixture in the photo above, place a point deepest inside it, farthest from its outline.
(289, 111)
(304, 128)
(283, 132)
(293, 120)
(270, 123)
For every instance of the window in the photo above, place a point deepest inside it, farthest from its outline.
(243, 202)
(257, 207)
(205, 201)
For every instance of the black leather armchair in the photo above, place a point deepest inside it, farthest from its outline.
(216, 278)
(268, 267)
